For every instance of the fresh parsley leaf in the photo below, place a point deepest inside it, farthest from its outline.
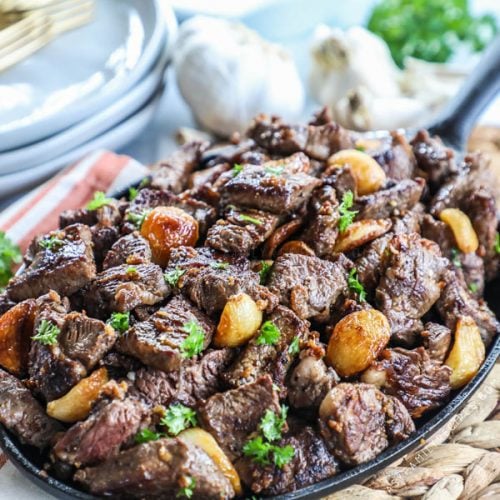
(272, 425)
(360, 147)
(258, 450)
(51, 243)
(177, 418)
(455, 257)
(355, 285)
(46, 333)
(132, 193)
(188, 490)
(278, 170)
(497, 243)
(10, 254)
(346, 215)
(219, 265)
(473, 287)
(265, 269)
(282, 455)
(237, 169)
(131, 270)
(147, 435)
(173, 277)
(193, 343)
(98, 201)
(145, 182)
(120, 321)
(137, 218)
(269, 334)
(294, 346)
(253, 220)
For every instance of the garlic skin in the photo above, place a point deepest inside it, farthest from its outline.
(228, 74)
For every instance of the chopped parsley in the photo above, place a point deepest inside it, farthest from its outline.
(99, 200)
(473, 287)
(146, 181)
(147, 435)
(137, 219)
(278, 170)
(272, 425)
(346, 215)
(269, 334)
(219, 265)
(355, 285)
(497, 243)
(455, 257)
(265, 269)
(120, 321)
(173, 277)
(51, 243)
(132, 193)
(177, 418)
(10, 254)
(262, 452)
(131, 270)
(282, 455)
(193, 343)
(294, 346)
(46, 333)
(188, 490)
(237, 169)
(253, 220)
(360, 147)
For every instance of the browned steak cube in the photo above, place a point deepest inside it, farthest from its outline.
(65, 267)
(436, 340)
(159, 469)
(22, 414)
(123, 288)
(232, 416)
(130, 249)
(158, 342)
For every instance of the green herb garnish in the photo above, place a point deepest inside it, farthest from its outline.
(265, 270)
(172, 277)
(237, 169)
(258, 450)
(346, 215)
(253, 220)
(10, 254)
(219, 265)
(132, 193)
(51, 243)
(272, 425)
(131, 270)
(294, 346)
(120, 321)
(473, 287)
(98, 201)
(177, 418)
(355, 285)
(269, 334)
(359, 147)
(46, 333)
(278, 170)
(147, 435)
(497, 243)
(193, 343)
(282, 455)
(188, 490)
(137, 218)
(455, 257)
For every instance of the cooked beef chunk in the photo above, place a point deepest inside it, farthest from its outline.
(107, 215)
(393, 200)
(436, 161)
(437, 340)
(194, 382)
(103, 238)
(65, 267)
(5, 303)
(202, 212)
(158, 341)
(123, 288)
(312, 462)
(308, 285)
(456, 301)
(411, 284)
(159, 469)
(441, 233)
(269, 189)
(395, 156)
(129, 249)
(309, 383)
(22, 414)
(341, 179)
(101, 435)
(245, 151)
(324, 140)
(258, 358)
(356, 421)
(421, 383)
(241, 231)
(172, 174)
(207, 176)
(232, 416)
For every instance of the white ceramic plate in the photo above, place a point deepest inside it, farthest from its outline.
(113, 139)
(80, 72)
(24, 158)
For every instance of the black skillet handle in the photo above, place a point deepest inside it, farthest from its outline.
(455, 124)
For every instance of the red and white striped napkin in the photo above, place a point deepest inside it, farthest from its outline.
(37, 213)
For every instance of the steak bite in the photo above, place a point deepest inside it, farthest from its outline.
(309, 285)
(259, 357)
(436, 340)
(411, 284)
(158, 469)
(160, 341)
(358, 421)
(65, 266)
(129, 249)
(312, 462)
(22, 414)
(232, 416)
(124, 288)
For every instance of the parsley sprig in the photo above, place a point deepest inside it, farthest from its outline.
(46, 333)
(219, 265)
(120, 321)
(137, 218)
(272, 424)
(265, 270)
(294, 347)
(252, 220)
(496, 247)
(147, 435)
(346, 215)
(177, 418)
(269, 334)
(10, 254)
(193, 343)
(132, 193)
(455, 257)
(187, 491)
(278, 170)
(51, 243)
(237, 169)
(355, 285)
(98, 201)
(173, 277)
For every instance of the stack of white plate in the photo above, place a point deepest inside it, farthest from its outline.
(94, 87)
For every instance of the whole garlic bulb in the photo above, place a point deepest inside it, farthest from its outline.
(228, 74)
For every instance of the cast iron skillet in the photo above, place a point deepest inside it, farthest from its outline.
(454, 127)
